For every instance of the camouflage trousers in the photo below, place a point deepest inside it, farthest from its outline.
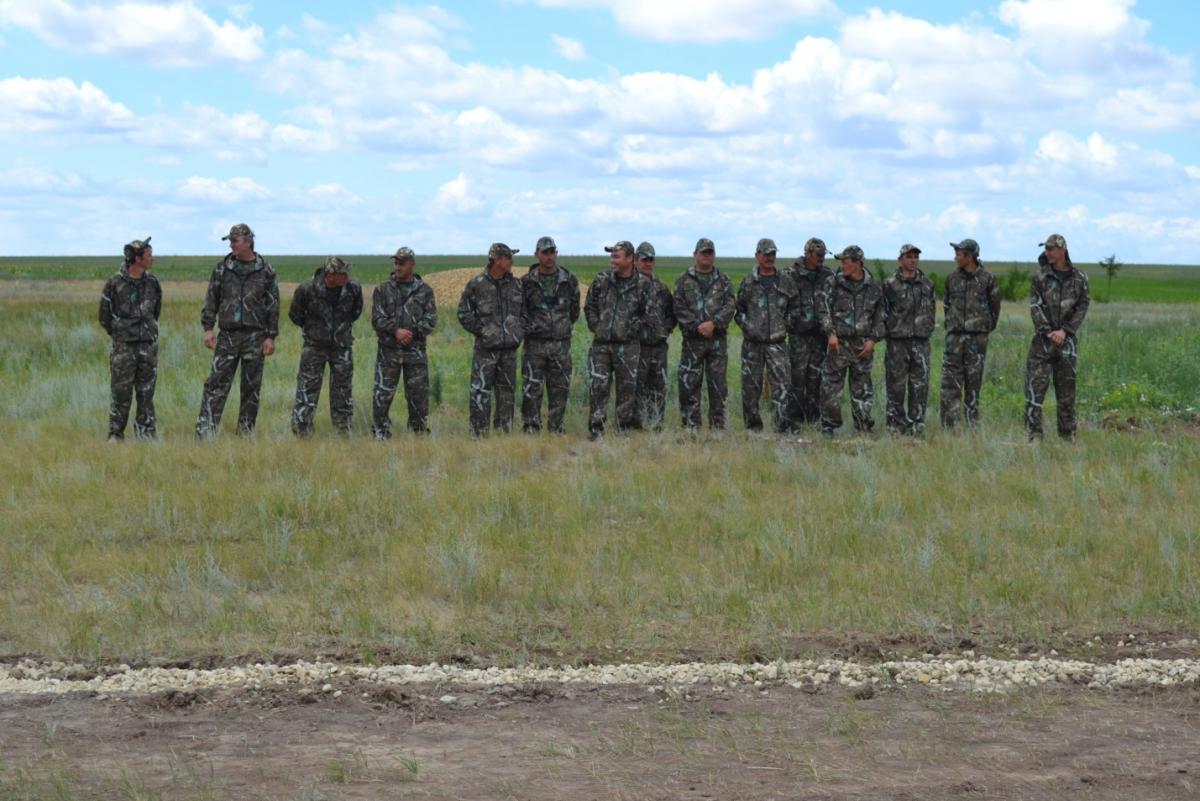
(545, 364)
(773, 359)
(609, 362)
(391, 363)
(807, 353)
(242, 347)
(133, 371)
(652, 386)
(1048, 361)
(700, 360)
(838, 363)
(906, 367)
(962, 377)
(493, 377)
(308, 387)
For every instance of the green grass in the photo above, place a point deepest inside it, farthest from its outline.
(553, 549)
(1136, 283)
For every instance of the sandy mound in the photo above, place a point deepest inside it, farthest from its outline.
(448, 284)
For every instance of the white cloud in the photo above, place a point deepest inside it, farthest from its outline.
(702, 20)
(36, 105)
(457, 196)
(174, 34)
(568, 48)
(228, 191)
(1062, 148)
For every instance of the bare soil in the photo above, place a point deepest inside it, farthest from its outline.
(372, 741)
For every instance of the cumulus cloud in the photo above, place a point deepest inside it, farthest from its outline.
(457, 196)
(175, 34)
(568, 48)
(37, 105)
(702, 20)
(228, 191)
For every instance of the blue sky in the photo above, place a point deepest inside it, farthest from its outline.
(359, 127)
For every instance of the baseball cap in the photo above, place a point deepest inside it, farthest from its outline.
(333, 264)
(765, 246)
(499, 250)
(404, 254)
(906, 249)
(969, 245)
(645, 251)
(240, 230)
(704, 243)
(545, 243)
(1054, 240)
(852, 252)
(623, 244)
(131, 249)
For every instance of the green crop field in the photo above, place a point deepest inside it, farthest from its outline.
(517, 548)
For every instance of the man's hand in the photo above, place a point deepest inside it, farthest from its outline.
(210, 340)
(705, 329)
(1058, 337)
(268, 346)
(833, 343)
(404, 336)
(867, 349)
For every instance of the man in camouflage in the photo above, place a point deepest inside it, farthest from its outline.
(652, 361)
(403, 314)
(325, 308)
(910, 307)
(129, 308)
(806, 343)
(551, 309)
(704, 308)
(618, 302)
(491, 309)
(243, 298)
(1058, 302)
(851, 310)
(766, 300)
(972, 305)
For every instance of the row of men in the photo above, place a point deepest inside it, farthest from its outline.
(806, 329)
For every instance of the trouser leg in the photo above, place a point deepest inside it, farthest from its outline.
(753, 364)
(975, 357)
(625, 373)
(533, 381)
(896, 366)
(252, 373)
(308, 388)
(953, 378)
(145, 425)
(506, 389)
(341, 388)
(216, 387)
(691, 378)
(833, 377)
(416, 392)
(483, 375)
(558, 384)
(779, 384)
(122, 373)
(1037, 381)
(387, 377)
(918, 384)
(600, 376)
(652, 385)
(1065, 369)
(862, 391)
(716, 363)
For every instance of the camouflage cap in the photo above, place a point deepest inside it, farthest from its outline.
(645, 251)
(703, 244)
(623, 244)
(851, 252)
(906, 249)
(136, 246)
(765, 246)
(334, 264)
(240, 230)
(969, 245)
(545, 243)
(499, 250)
(815, 245)
(404, 254)
(1052, 241)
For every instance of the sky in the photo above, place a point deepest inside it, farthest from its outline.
(358, 127)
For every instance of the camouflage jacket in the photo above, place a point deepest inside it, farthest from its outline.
(240, 299)
(764, 307)
(616, 308)
(550, 317)
(693, 307)
(1058, 300)
(326, 316)
(910, 306)
(129, 307)
(852, 308)
(492, 311)
(395, 305)
(972, 302)
(660, 317)
(806, 319)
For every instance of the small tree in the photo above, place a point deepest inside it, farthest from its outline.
(1111, 268)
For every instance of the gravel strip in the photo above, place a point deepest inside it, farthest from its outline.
(949, 672)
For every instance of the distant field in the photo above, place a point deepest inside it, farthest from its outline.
(1151, 283)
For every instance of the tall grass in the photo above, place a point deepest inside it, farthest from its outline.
(519, 548)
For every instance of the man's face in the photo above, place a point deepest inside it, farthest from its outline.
(548, 260)
(404, 269)
(705, 259)
(502, 265)
(1056, 256)
(336, 280)
(645, 265)
(622, 262)
(766, 262)
(851, 268)
(146, 260)
(813, 259)
(909, 262)
(961, 257)
(242, 247)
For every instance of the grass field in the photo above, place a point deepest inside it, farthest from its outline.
(1141, 283)
(554, 549)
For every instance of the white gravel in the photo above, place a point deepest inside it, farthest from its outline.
(948, 672)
